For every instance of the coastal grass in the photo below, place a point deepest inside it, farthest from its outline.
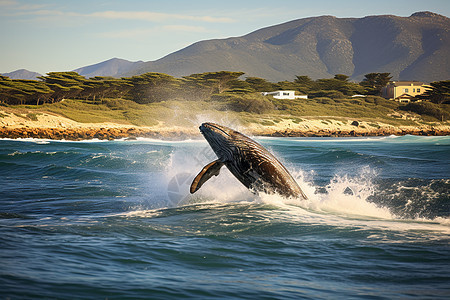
(187, 113)
(85, 112)
(372, 109)
(364, 108)
(172, 113)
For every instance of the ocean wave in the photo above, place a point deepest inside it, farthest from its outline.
(343, 185)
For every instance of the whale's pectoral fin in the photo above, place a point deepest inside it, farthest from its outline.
(210, 170)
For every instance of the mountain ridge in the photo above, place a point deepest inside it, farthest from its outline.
(22, 74)
(112, 67)
(410, 48)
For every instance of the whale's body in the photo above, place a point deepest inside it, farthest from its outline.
(254, 166)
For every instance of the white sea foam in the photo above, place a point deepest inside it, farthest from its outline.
(348, 196)
(32, 140)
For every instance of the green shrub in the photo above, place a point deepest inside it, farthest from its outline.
(121, 104)
(324, 100)
(252, 103)
(336, 95)
(267, 123)
(384, 102)
(373, 99)
(428, 109)
(328, 94)
(297, 120)
(32, 116)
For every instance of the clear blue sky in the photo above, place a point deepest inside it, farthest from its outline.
(55, 35)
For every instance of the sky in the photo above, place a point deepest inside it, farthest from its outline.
(62, 35)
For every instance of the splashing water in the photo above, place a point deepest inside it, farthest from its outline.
(344, 195)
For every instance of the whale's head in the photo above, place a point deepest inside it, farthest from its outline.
(224, 141)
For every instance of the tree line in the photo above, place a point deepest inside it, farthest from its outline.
(145, 88)
(155, 87)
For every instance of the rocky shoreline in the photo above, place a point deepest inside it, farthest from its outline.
(76, 134)
(353, 133)
(91, 133)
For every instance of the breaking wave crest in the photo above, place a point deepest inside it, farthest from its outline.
(357, 196)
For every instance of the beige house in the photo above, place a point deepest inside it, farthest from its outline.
(403, 91)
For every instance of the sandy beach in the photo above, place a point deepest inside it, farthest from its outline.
(50, 126)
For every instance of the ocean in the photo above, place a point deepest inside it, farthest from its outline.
(115, 220)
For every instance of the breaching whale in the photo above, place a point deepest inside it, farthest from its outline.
(248, 161)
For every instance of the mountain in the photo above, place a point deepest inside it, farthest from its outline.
(410, 48)
(113, 67)
(22, 74)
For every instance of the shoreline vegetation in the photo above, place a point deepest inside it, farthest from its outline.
(65, 105)
(176, 123)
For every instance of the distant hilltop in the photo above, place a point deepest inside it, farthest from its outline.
(114, 67)
(410, 48)
(22, 74)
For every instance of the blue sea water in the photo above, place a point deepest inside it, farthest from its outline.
(115, 220)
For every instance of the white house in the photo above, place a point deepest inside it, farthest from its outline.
(284, 95)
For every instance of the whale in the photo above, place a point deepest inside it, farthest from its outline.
(253, 165)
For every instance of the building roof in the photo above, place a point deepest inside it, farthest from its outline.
(405, 96)
(406, 83)
(281, 91)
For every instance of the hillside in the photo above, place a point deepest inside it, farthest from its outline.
(410, 48)
(113, 67)
(22, 74)
(114, 118)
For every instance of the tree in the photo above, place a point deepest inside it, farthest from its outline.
(63, 92)
(64, 78)
(152, 87)
(304, 83)
(259, 84)
(303, 79)
(41, 92)
(92, 88)
(117, 88)
(288, 85)
(239, 86)
(222, 78)
(437, 92)
(65, 84)
(374, 82)
(202, 85)
(341, 77)
(14, 92)
(345, 87)
(20, 91)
